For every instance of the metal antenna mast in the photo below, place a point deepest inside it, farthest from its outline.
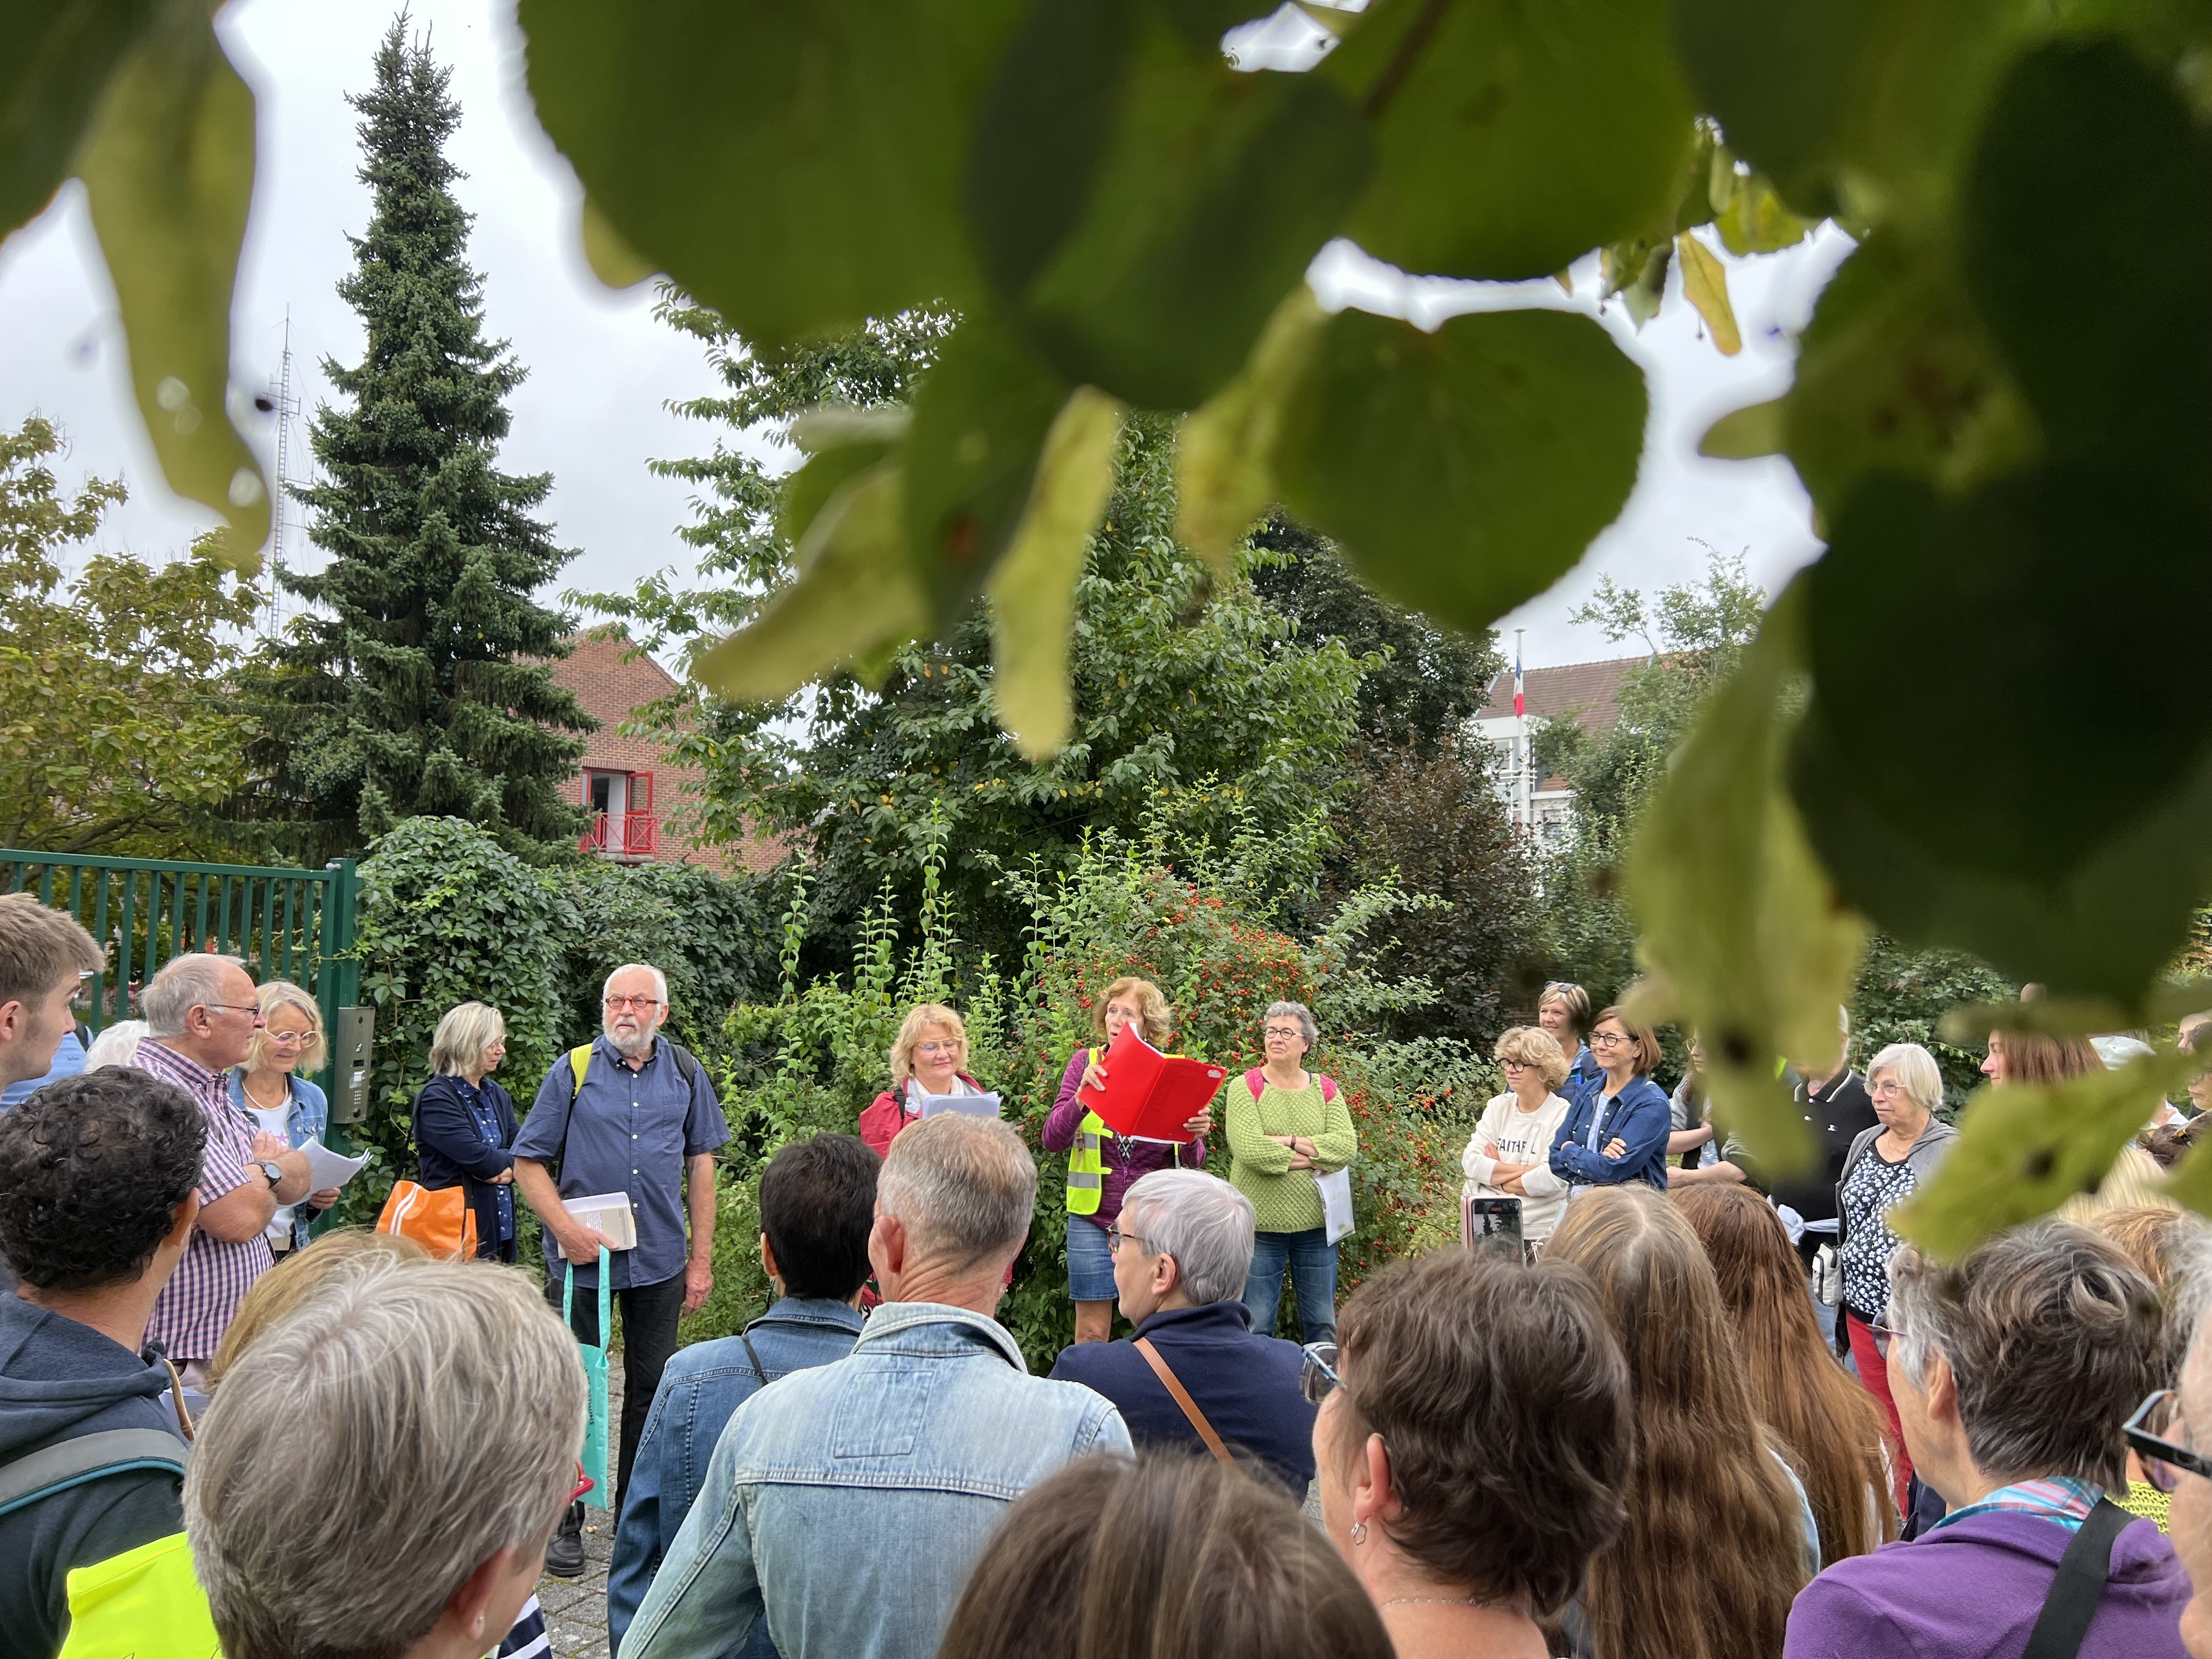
(288, 405)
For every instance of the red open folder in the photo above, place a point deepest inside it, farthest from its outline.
(1150, 1095)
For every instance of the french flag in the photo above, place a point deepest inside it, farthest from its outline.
(1519, 698)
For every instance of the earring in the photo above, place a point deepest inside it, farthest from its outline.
(1359, 1532)
(476, 1626)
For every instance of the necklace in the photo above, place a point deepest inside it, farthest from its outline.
(284, 1100)
(1440, 1600)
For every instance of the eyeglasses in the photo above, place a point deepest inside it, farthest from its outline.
(937, 1048)
(285, 1039)
(1606, 1039)
(1317, 1371)
(2151, 1436)
(1115, 1236)
(1883, 1336)
(1288, 1033)
(641, 1003)
(252, 1008)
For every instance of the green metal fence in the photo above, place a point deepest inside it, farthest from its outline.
(285, 924)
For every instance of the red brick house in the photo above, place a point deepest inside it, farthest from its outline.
(630, 785)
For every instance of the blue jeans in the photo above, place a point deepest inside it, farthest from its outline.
(1311, 1259)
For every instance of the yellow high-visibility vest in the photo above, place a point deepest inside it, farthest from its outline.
(144, 1602)
(1086, 1163)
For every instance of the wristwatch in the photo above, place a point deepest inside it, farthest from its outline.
(274, 1171)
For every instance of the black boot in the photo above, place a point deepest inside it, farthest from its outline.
(564, 1555)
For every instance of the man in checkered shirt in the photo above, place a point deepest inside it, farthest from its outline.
(200, 1020)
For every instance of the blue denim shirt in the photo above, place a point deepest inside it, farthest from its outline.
(699, 1393)
(847, 1504)
(305, 1122)
(629, 1132)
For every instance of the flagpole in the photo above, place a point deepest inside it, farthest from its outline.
(1521, 714)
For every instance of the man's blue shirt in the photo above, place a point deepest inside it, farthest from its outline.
(699, 1393)
(629, 1132)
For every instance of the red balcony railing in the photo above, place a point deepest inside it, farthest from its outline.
(638, 835)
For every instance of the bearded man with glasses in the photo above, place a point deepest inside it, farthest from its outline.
(635, 1114)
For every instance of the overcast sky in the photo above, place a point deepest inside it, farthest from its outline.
(600, 368)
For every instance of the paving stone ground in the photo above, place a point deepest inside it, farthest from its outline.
(576, 1608)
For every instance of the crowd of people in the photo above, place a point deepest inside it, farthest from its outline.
(1668, 1407)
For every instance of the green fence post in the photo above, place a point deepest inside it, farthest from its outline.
(337, 975)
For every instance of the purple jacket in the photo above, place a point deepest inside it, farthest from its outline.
(1972, 1591)
(1126, 1160)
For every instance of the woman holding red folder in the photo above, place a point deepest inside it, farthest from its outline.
(1101, 1164)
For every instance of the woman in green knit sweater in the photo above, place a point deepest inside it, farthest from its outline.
(1284, 1125)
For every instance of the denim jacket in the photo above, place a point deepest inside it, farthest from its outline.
(699, 1393)
(847, 1503)
(305, 1122)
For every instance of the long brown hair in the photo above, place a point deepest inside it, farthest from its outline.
(1830, 1422)
(1161, 1559)
(1716, 1549)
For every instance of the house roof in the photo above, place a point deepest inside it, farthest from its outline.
(1588, 691)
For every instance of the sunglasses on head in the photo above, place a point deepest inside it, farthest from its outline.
(2154, 1434)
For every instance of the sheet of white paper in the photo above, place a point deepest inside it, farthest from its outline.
(326, 1169)
(973, 1105)
(1335, 1202)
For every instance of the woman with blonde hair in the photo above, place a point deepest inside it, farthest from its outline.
(1510, 1154)
(465, 1124)
(1720, 1538)
(1101, 1164)
(269, 1093)
(1833, 1426)
(929, 1056)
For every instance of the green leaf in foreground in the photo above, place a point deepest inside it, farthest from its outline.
(168, 169)
(1464, 470)
(1192, 198)
(1033, 588)
(839, 444)
(794, 166)
(1949, 633)
(855, 591)
(2025, 1149)
(59, 60)
(1746, 434)
(1509, 140)
(1750, 945)
(1224, 466)
(980, 421)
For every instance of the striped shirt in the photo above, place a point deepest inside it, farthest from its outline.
(2056, 1498)
(202, 1297)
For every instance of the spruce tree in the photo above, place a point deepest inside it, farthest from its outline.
(417, 681)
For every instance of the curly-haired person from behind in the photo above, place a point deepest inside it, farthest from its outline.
(1473, 1443)
(99, 1179)
(1169, 1558)
(1830, 1424)
(1719, 1536)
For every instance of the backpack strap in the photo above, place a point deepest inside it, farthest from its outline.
(2078, 1585)
(1256, 1081)
(580, 1061)
(87, 1457)
(1253, 1082)
(1328, 1087)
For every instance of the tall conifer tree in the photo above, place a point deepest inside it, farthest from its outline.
(417, 681)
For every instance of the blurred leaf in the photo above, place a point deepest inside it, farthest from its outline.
(1896, 374)
(2090, 159)
(1512, 139)
(1464, 470)
(839, 444)
(168, 169)
(1739, 922)
(1636, 272)
(2025, 1149)
(612, 260)
(980, 421)
(60, 55)
(855, 590)
(1224, 472)
(1752, 218)
(795, 168)
(1777, 78)
(1033, 588)
(1746, 434)
(1140, 207)
(1705, 285)
(1946, 631)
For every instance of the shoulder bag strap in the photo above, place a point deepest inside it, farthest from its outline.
(87, 1457)
(2079, 1586)
(1180, 1395)
(754, 1359)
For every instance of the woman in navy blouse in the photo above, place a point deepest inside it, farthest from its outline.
(464, 1123)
